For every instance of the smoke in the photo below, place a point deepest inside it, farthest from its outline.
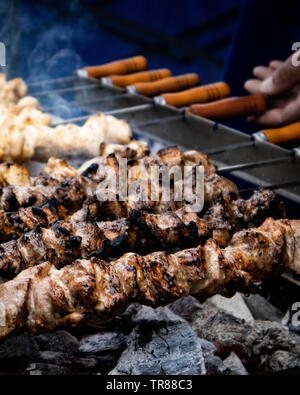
(54, 55)
(41, 40)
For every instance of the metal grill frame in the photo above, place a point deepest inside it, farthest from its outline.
(192, 132)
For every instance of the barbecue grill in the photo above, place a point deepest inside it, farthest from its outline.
(252, 161)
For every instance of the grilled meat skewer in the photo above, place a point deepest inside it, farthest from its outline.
(56, 172)
(48, 185)
(227, 216)
(65, 242)
(51, 200)
(40, 189)
(142, 232)
(64, 201)
(25, 134)
(42, 298)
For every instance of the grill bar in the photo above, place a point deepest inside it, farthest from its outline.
(188, 132)
(112, 112)
(273, 187)
(253, 165)
(52, 81)
(231, 147)
(83, 103)
(66, 90)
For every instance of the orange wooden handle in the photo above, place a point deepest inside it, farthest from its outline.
(201, 94)
(123, 66)
(141, 76)
(234, 107)
(287, 134)
(170, 84)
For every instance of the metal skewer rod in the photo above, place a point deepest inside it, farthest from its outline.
(253, 165)
(181, 115)
(88, 102)
(71, 89)
(51, 81)
(231, 147)
(140, 107)
(122, 66)
(159, 120)
(124, 110)
(273, 186)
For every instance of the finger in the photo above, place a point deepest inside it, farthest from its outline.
(262, 72)
(253, 86)
(271, 118)
(285, 77)
(279, 116)
(275, 64)
(291, 112)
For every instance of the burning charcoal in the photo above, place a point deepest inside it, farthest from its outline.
(224, 330)
(232, 334)
(161, 343)
(61, 341)
(102, 342)
(266, 337)
(63, 359)
(253, 344)
(185, 307)
(235, 306)
(17, 352)
(288, 321)
(261, 309)
(235, 366)
(213, 364)
(284, 362)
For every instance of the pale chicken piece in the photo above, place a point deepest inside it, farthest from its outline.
(59, 169)
(29, 114)
(15, 109)
(12, 174)
(18, 133)
(12, 91)
(29, 101)
(133, 150)
(113, 130)
(26, 135)
(73, 140)
(25, 131)
(13, 95)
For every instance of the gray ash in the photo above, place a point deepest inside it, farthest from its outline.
(239, 336)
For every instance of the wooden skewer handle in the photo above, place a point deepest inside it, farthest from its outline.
(287, 134)
(234, 107)
(124, 66)
(141, 76)
(201, 94)
(170, 84)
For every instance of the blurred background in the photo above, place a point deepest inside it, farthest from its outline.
(220, 40)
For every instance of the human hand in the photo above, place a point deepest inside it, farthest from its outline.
(280, 83)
